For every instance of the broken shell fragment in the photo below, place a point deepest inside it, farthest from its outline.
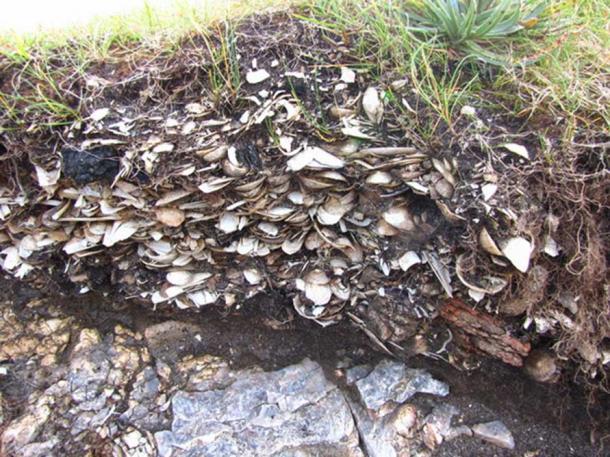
(518, 250)
(372, 105)
(257, 76)
(485, 284)
(408, 259)
(399, 217)
(119, 231)
(179, 278)
(172, 217)
(488, 244)
(348, 75)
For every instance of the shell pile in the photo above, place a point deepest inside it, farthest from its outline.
(191, 209)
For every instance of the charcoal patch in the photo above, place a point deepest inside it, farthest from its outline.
(85, 166)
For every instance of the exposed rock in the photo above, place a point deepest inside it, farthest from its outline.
(393, 381)
(437, 426)
(356, 373)
(276, 413)
(496, 433)
(24, 430)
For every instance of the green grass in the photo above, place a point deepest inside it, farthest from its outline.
(47, 64)
(560, 69)
(560, 73)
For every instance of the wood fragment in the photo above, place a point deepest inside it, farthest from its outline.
(481, 332)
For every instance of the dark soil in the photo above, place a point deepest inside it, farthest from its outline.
(546, 420)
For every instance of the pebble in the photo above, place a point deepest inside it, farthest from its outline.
(495, 433)
(541, 366)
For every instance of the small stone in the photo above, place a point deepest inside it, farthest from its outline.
(455, 432)
(495, 433)
(404, 419)
(393, 381)
(132, 439)
(541, 366)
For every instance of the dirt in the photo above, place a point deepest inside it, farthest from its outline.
(546, 420)
(552, 420)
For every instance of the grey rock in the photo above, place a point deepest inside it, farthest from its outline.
(357, 373)
(377, 435)
(38, 449)
(286, 412)
(496, 433)
(393, 381)
(455, 432)
(143, 411)
(440, 418)
(24, 430)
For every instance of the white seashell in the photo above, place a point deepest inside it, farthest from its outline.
(173, 196)
(163, 147)
(348, 75)
(99, 114)
(355, 132)
(253, 276)
(489, 191)
(247, 245)
(179, 278)
(195, 108)
(518, 250)
(408, 259)
(379, 178)
(269, 228)
(551, 248)
(11, 259)
(203, 297)
(372, 105)
(316, 277)
(319, 294)
(292, 111)
(215, 154)
(476, 295)
(339, 290)
(257, 76)
(119, 231)
(385, 229)
(286, 143)
(296, 197)
(517, 149)
(47, 178)
(399, 217)
(488, 244)
(279, 212)
(214, 184)
(228, 222)
(418, 188)
(292, 246)
(300, 160)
